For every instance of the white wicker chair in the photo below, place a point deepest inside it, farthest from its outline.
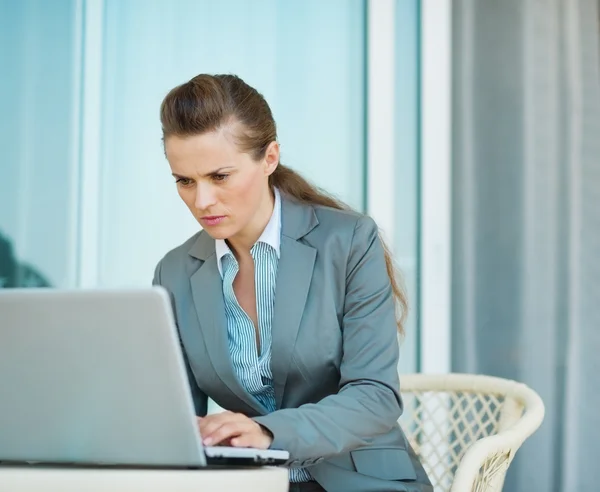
(467, 428)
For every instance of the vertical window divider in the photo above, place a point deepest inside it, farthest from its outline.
(89, 145)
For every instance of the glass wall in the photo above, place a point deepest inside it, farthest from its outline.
(306, 58)
(38, 138)
(86, 196)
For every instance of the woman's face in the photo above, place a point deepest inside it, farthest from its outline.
(225, 189)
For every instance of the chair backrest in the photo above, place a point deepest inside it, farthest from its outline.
(445, 415)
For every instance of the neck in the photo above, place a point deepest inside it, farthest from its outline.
(243, 241)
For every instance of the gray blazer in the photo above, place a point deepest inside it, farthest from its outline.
(334, 349)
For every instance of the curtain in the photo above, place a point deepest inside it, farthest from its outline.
(526, 220)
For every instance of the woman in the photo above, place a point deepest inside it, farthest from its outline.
(285, 301)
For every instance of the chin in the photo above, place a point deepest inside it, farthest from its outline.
(223, 237)
(218, 232)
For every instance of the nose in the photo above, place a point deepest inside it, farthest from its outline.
(205, 197)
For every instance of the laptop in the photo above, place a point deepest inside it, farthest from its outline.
(97, 377)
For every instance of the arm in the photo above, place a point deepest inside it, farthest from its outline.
(199, 398)
(368, 402)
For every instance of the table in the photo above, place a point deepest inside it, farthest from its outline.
(65, 479)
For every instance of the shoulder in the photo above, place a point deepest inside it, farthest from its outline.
(342, 237)
(353, 240)
(178, 259)
(182, 251)
(353, 226)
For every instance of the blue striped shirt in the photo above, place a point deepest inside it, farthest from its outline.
(253, 369)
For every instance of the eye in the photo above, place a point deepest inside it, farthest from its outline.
(183, 181)
(220, 177)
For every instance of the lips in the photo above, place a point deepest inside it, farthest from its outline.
(212, 220)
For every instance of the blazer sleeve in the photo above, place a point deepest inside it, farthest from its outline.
(368, 402)
(198, 396)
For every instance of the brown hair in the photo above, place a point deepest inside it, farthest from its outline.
(209, 102)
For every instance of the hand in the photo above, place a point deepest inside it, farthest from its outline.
(234, 429)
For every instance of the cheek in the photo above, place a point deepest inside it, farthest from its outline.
(246, 192)
(187, 196)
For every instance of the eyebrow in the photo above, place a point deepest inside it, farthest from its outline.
(211, 173)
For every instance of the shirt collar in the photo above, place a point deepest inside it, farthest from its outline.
(271, 235)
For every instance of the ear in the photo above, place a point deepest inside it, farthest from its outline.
(271, 159)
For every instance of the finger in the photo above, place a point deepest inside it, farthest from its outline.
(220, 417)
(227, 431)
(256, 438)
(247, 440)
(209, 424)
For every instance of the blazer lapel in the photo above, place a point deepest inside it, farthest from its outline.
(207, 293)
(294, 274)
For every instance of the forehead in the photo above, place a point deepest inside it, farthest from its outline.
(202, 153)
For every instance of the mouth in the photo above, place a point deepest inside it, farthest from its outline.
(212, 220)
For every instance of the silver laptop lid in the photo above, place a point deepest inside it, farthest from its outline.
(94, 376)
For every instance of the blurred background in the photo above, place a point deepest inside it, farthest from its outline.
(470, 130)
